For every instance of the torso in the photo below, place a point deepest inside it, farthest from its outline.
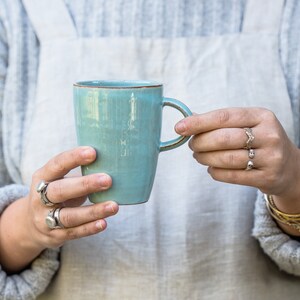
(192, 240)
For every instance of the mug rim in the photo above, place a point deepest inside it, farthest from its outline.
(117, 84)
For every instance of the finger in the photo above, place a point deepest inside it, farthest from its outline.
(222, 139)
(221, 118)
(61, 164)
(76, 216)
(254, 177)
(69, 188)
(235, 159)
(75, 202)
(62, 235)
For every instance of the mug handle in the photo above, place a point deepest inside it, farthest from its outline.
(172, 144)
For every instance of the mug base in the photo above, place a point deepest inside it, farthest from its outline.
(119, 202)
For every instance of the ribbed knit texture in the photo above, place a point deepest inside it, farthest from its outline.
(279, 246)
(148, 18)
(141, 18)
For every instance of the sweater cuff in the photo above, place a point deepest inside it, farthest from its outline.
(281, 248)
(32, 281)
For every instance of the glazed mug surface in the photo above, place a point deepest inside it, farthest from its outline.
(122, 121)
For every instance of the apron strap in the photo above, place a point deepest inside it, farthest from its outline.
(263, 16)
(50, 19)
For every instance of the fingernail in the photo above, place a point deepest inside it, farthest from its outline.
(111, 207)
(180, 127)
(87, 153)
(103, 180)
(101, 224)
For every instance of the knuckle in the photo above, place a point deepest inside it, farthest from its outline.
(56, 238)
(36, 176)
(85, 183)
(57, 164)
(275, 162)
(46, 239)
(34, 198)
(72, 234)
(85, 230)
(277, 159)
(229, 159)
(274, 138)
(38, 221)
(223, 117)
(94, 212)
(50, 239)
(196, 123)
(268, 115)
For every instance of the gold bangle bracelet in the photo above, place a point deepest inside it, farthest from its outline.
(292, 220)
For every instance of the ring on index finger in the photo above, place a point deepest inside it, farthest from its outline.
(42, 190)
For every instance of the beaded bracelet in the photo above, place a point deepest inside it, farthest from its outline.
(292, 220)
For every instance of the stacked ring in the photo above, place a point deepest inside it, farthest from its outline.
(251, 152)
(42, 189)
(52, 220)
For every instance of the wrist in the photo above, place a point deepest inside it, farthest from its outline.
(18, 248)
(287, 199)
(289, 223)
(289, 205)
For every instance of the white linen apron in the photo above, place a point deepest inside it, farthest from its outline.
(192, 240)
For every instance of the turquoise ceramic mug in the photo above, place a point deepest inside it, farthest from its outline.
(122, 120)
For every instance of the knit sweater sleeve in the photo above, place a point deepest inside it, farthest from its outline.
(32, 281)
(282, 249)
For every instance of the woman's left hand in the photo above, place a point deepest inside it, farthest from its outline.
(219, 141)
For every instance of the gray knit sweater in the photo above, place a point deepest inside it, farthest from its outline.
(19, 54)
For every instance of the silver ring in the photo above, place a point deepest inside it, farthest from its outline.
(250, 165)
(57, 217)
(42, 189)
(250, 136)
(52, 220)
(251, 153)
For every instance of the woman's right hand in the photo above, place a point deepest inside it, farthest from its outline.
(24, 233)
(69, 193)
